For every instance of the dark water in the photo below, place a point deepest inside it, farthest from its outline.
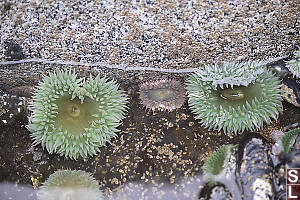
(154, 154)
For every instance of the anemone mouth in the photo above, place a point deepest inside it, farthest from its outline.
(73, 115)
(163, 95)
(236, 96)
(228, 103)
(70, 184)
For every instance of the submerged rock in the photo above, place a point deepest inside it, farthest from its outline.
(13, 51)
(255, 171)
(216, 192)
(291, 90)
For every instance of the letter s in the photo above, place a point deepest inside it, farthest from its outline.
(293, 176)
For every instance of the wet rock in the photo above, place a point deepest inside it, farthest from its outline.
(293, 157)
(291, 90)
(283, 158)
(295, 125)
(11, 106)
(13, 51)
(256, 172)
(280, 69)
(217, 192)
(277, 149)
(22, 91)
(290, 83)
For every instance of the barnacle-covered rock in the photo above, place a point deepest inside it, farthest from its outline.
(291, 90)
(256, 172)
(216, 192)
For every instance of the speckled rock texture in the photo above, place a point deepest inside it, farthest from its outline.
(165, 34)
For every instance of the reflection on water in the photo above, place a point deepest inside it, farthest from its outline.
(16, 192)
(187, 188)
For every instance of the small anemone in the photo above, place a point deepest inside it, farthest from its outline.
(73, 117)
(234, 97)
(216, 163)
(294, 64)
(70, 184)
(163, 95)
(288, 139)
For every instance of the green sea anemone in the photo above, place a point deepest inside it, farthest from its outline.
(163, 95)
(216, 163)
(70, 185)
(234, 97)
(220, 167)
(74, 117)
(294, 64)
(288, 139)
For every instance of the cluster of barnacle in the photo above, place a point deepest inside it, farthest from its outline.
(75, 117)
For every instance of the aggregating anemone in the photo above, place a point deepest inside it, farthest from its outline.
(217, 162)
(162, 95)
(75, 117)
(234, 97)
(294, 64)
(291, 83)
(70, 185)
(288, 139)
